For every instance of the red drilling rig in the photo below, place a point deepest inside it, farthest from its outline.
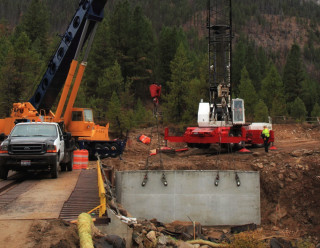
(222, 119)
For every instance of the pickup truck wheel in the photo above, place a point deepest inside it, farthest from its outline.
(70, 163)
(55, 168)
(63, 166)
(3, 173)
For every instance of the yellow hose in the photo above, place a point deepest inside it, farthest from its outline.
(84, 230)
(208, 243)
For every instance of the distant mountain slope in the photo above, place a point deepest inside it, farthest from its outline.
(272, 24)
(171, 12)
(59, 12)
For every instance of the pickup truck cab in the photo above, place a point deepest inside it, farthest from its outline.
(36, 146)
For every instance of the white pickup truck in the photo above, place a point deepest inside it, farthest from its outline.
(36, 146)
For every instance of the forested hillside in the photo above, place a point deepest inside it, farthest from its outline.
(276, 57)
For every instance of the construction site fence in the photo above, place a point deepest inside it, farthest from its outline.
(291, 120)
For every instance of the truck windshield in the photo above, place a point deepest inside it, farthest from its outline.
(88, 116)
(34, 130)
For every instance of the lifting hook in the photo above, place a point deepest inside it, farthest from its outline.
(216, 182)
(145, 179)
(164, 180)
(238, 180)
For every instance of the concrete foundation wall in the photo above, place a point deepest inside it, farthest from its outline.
(193, 194)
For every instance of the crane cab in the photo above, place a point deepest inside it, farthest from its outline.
(238, 116)
(82, 125)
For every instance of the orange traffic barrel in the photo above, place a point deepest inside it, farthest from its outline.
(80, 159)
(77, 160)
(85, 158)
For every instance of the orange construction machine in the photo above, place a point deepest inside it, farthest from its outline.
(63, 71)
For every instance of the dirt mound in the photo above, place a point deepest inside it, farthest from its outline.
(290, 189)
(53, 234)
(286, 132)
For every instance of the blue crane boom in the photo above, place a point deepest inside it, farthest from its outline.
(53, 80)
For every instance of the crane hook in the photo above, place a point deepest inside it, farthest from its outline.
(164, 180)
(216, 182)
(238, 180)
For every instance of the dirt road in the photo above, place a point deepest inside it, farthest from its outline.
(31, 219)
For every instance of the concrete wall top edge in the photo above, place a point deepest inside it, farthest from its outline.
(181, 171)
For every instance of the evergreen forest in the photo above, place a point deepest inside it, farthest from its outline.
(275, 58)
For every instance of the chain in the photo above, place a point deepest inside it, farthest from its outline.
(163, 178)
(145, 178)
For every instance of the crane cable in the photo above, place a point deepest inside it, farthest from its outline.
(238, 183)
(163, 178)
(216, 181)
(145, 178)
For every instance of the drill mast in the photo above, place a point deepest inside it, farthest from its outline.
(219, 25)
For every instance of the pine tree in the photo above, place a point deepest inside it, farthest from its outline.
(238, 61)
(120, 118)
(309, 94)
(142, 116)
(35, 23)
(181, 69)
(141, 53)
(18, 72)
(4, 42)
(8, 83)
(110, 81)
(279, 106)
(252, 66)
(263, 63)
(261, 112)
(196, 92)
(114, 113)
(120, 36)
(298, 110)
(316, 110)
(271, 87)
(168, 43)
(248, 93)
(204, 77)
(127, 98)
(293, 74)
(102, 56)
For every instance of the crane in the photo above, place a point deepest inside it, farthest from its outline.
(63, 70)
